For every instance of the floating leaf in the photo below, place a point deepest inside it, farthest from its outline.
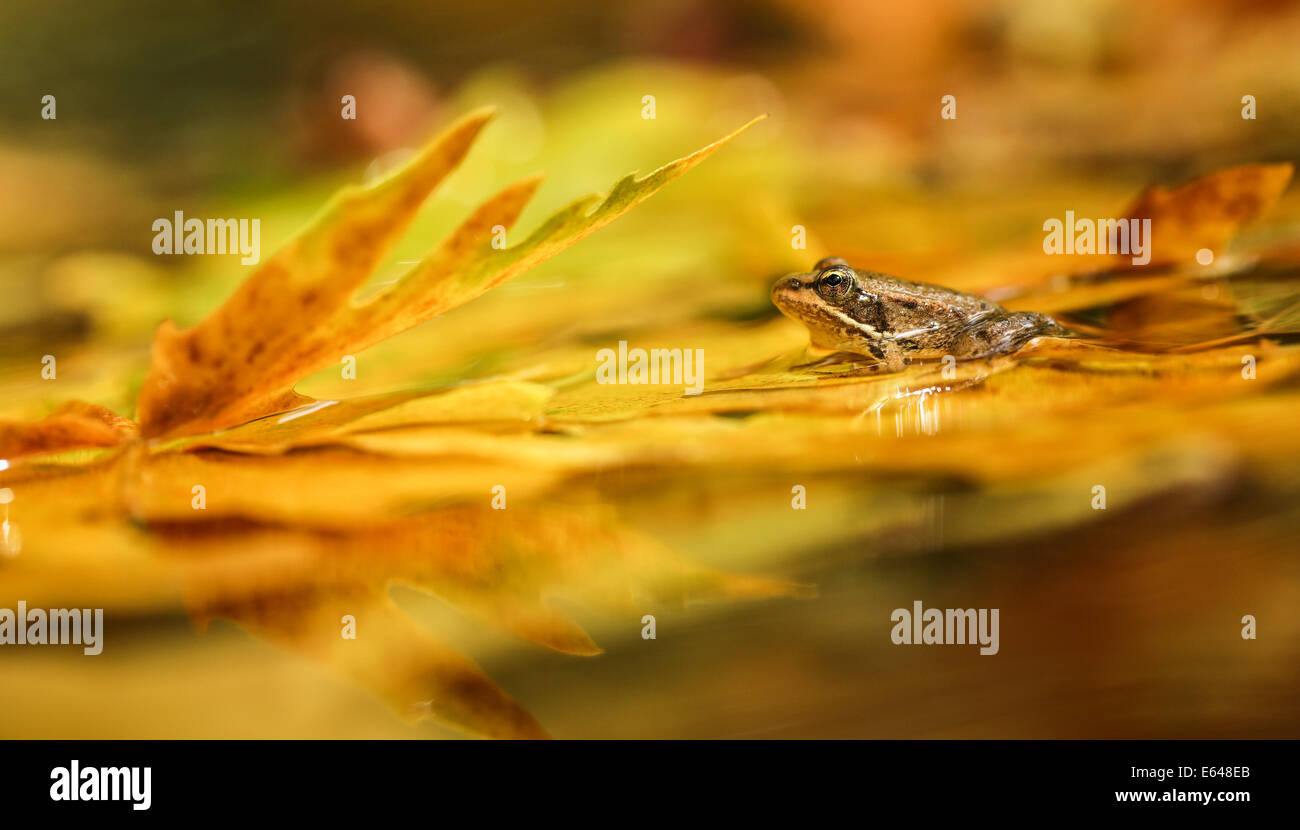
(74, 425)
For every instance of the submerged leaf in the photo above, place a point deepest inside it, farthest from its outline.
(417, 675)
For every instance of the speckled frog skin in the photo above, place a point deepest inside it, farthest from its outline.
(893, 321)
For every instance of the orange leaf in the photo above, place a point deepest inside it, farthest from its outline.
(1207, 212)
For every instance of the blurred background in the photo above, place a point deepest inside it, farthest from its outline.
(1122, 624)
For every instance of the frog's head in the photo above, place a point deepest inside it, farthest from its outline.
(830, 302)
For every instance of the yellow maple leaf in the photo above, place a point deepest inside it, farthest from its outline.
(297, 313)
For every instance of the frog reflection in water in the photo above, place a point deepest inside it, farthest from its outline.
(893, 322)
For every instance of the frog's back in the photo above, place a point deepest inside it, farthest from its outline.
(915, 304)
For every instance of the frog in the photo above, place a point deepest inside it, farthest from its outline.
(887, 322)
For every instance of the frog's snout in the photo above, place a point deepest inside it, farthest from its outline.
(785, 290)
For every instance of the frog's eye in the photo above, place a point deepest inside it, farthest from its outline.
(835, 283)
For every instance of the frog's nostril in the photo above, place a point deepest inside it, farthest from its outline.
(793, 284)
